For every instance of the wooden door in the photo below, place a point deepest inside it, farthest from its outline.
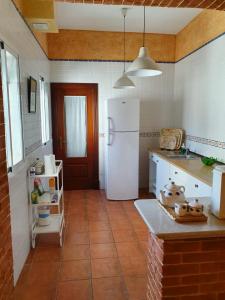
(75, 133)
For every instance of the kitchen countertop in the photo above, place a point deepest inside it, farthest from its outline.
(194, 167)
(160, 224)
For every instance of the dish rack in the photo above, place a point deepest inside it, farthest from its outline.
(56, 208)
(171, 138)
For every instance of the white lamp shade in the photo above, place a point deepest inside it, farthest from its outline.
(143, 65)
(123, 83)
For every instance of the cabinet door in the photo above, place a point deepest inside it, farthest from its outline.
(162, 174)
(198, 188)
(193, 186)
(177, 175)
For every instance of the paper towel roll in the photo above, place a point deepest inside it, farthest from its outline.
(53, 163)
(48, 165)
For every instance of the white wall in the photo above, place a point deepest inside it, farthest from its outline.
(156, 95)
(33, 62)
(198, 107)
(200, 98)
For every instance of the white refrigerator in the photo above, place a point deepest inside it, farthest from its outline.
(122, 149)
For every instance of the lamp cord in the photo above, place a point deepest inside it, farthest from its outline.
(144, 29)
(124, 43)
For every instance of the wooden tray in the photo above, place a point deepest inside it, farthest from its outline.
(185, 219)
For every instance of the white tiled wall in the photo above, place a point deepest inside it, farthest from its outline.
(33, 62)
(198, 107)
(200, 97)
(156, 95)
(19, 209)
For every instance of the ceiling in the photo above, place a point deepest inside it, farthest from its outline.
(109, 18)
(206, 4)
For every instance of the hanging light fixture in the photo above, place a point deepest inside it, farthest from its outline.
(124, 82)
(143, 65)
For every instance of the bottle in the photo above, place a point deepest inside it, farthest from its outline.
(38, 186)
(182, 149)
(34, 196)
(51, 184)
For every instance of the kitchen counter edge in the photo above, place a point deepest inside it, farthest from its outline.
(159, 223)
(183, 165)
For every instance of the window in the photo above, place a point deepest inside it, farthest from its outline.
(44, 102)
(12, 106)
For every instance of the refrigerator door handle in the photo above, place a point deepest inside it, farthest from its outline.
(109, 131)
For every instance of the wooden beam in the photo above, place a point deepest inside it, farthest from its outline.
(214, 4)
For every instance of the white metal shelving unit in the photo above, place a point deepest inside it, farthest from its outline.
(56, 219)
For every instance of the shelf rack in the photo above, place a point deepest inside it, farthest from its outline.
(57, 221)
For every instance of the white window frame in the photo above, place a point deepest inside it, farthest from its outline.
(44, 108)
(6, 101)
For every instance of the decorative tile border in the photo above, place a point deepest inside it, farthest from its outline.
(150, 134)
(205, 141)
(196, 139)
(141, 134)
(103, 60)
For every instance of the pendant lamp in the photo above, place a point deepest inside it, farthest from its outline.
(124, 82)
(143, 65)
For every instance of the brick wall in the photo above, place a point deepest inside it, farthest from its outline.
(6, 260)
(186, 269)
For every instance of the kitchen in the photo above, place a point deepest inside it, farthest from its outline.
(186, 45)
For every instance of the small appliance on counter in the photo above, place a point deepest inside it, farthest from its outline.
(218, 192)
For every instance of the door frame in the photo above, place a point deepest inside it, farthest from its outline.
(94, 88)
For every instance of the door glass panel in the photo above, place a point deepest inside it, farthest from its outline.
(75, 108)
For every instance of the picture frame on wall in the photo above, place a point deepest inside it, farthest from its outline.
(32, 94)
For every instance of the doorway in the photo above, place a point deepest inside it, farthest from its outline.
(75, 133)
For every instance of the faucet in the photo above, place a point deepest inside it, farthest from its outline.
(187, 152)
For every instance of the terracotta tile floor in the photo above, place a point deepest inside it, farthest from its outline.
(102, 258)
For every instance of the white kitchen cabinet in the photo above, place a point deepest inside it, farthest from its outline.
(176, 175)
(159, 173)
(193, 186)
(197, 188)
(162, 172)
(162, 175)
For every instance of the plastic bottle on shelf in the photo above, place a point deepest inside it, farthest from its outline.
(51, 184)
(53, 193)
(43, 215)
(38, 186)
(34, 196)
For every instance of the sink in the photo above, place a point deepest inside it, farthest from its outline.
(181, 156)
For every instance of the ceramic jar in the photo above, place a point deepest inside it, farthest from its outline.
(43, 215)
(181, 209)
(196, 208)
(39, 167)
(172, 194)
